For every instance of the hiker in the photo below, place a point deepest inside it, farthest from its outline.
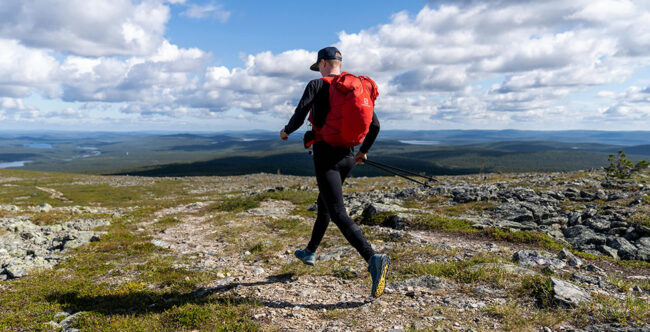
(333, 163)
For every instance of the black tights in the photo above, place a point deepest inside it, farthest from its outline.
(332, 165)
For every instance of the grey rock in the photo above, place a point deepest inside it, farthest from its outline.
(425, 281)
(612, 328)
(68, 321)
(53, 325)
(533, 258)
(568, 294)
(14, 271)
(581, 235)
(584, 278)
(598, 224)
(625, 249)
(335, 254)
(643, 242)
(44, 207)
(398, 221)
(593, 268)
(514, 212)
(371, 212)
(643, 254)
(571, 259)
(609, 251)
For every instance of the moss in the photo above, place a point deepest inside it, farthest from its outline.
(432, 222)
(535, 238)
(297, 197)
(237, 204)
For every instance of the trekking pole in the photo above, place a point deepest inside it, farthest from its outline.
(399, 170)
(395, 173)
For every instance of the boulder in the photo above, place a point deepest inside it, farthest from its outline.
(514, 212)
(609, 251)
(44, 207)
(571, 259)
(598, 224)
(533, 258)
(624, 248)
(581, 235)
(374, 210)
(568, 294)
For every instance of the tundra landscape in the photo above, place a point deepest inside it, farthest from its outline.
(560, 251)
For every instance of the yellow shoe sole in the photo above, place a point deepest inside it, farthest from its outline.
(382, 282)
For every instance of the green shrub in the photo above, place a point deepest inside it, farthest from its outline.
(539, 287)
(621, 167)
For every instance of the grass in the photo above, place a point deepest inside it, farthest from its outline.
(446, 224)
(459, 271)
(123, 281)
(297, 197)
(607, 309)
(237, 204)
(515, 317)
(538, 287)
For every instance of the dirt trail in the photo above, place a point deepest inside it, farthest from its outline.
(326, 302)
(54, 194)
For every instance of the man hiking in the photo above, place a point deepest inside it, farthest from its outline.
(333, 162)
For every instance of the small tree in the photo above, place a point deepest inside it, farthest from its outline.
(621, 167)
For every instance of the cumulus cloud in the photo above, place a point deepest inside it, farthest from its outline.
(431, 66)
(87, 28)
(23, 69)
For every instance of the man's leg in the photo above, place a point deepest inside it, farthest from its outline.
(320, 226)
(330, 186)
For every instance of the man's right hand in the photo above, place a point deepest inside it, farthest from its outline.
(284, 136)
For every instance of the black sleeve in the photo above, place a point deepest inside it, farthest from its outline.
(372, 134)
(304, 105)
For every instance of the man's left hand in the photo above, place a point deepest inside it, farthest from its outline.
(359, 158)
(284, 136)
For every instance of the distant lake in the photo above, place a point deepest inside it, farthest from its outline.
(416, 142)
(39, 145)
(14, 164)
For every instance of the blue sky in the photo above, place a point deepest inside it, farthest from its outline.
(186, 65)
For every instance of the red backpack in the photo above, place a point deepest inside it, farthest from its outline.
(352, 101)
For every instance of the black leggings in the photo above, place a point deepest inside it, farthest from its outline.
(332, 165)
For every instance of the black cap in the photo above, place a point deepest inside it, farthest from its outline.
(328, 53)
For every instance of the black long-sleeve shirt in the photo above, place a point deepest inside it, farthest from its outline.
(316, 98)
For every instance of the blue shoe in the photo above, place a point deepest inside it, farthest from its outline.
(378, 268)
(305, 256)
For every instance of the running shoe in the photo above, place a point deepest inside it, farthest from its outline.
(306, 256)
(378, 269)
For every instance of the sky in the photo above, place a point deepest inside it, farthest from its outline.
(214, 65)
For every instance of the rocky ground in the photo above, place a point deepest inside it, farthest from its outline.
(539, 252)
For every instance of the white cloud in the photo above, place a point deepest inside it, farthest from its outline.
(88, 28)
(23, 69)
(215, 11)
(538, 56)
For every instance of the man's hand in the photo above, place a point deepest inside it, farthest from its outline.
(283, 136)
(359, 158)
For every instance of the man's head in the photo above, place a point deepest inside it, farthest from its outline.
(328, 61)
